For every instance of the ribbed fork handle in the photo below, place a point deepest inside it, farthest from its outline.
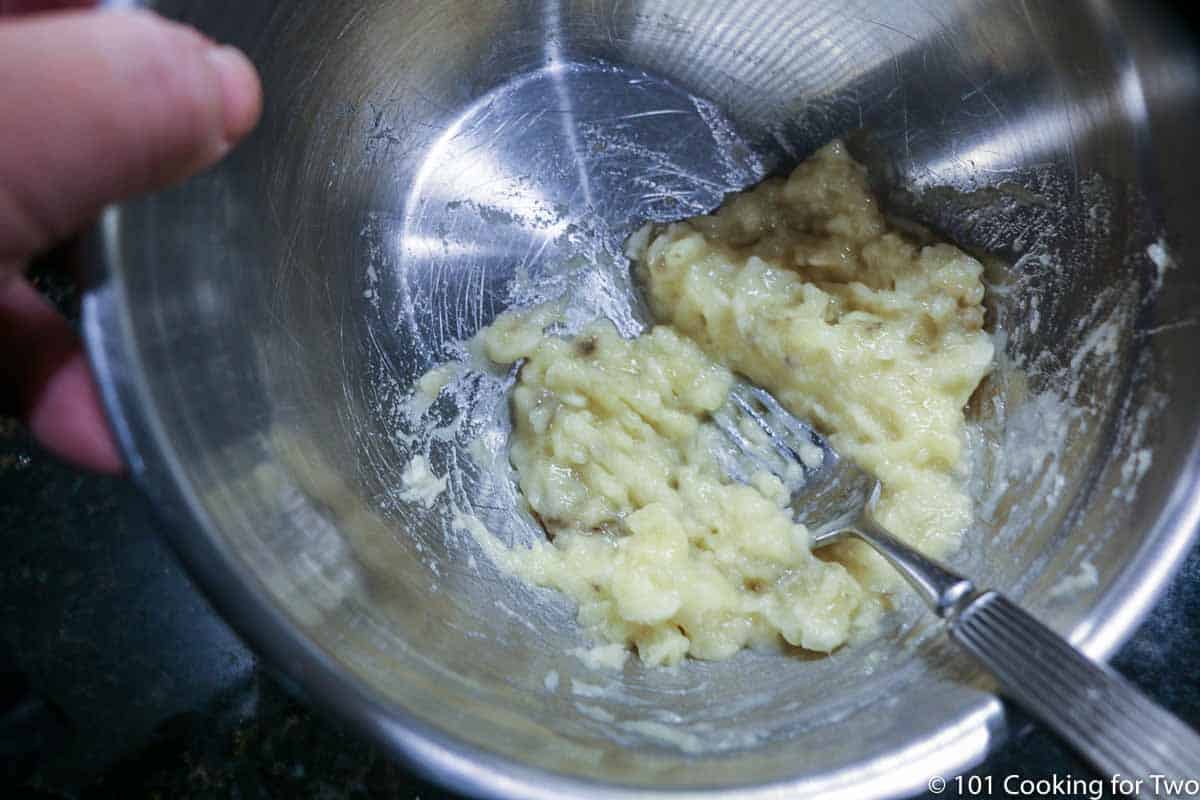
(1109, 722)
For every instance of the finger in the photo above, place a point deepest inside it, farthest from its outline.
(100, 106)
(45, 380)
(35, 6)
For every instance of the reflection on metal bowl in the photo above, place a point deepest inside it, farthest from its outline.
(423, 166)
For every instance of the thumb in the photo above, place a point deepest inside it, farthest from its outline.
(100, 106)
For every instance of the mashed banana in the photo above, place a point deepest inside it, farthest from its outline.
(803, 286)
(658, 549)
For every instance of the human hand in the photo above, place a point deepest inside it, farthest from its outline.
(96, 106)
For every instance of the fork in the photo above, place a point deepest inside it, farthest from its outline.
(1116, 728)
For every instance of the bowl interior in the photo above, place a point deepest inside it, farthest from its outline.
(424, 165)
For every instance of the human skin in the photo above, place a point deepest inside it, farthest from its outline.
(98, 106)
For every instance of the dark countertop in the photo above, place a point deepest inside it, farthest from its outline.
(118, 680)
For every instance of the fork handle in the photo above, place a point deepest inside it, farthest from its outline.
(1116, 728)
(1110, 723)
(942, 589)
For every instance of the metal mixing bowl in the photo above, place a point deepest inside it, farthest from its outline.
(423, 165)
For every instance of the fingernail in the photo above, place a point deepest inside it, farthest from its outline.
(241, 90)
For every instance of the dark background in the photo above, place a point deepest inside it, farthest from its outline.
(117, 679)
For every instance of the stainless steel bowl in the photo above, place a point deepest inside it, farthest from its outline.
(423, 165)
